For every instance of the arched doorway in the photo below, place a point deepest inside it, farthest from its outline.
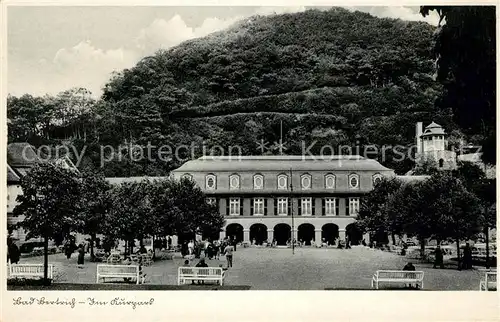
(354, 234)
(235, 231)
(330, 233)
(306, 233)
(282, 233)
(259, 233)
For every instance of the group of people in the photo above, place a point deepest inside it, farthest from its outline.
(466, 257)
(211, 250)
(69, 249)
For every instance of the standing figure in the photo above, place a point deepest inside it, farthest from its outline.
(228, 251)
(81, 255)
(234, 243)
(191, 247)
(438, 257)
(14, 253)
(467, 257)
(68, 250)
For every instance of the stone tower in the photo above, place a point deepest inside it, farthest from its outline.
(432, 144)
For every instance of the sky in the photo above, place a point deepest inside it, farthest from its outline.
(51, 49)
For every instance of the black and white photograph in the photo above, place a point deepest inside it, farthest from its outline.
(233, 148)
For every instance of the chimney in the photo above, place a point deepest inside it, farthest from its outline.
(418, 134)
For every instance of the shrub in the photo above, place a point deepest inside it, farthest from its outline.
(16, 281)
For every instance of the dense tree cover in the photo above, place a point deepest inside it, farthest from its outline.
(449, 205)
(57, 201)
(465, 48)
(323, 77)
(167, 207)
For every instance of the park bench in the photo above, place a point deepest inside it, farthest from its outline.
(401, 277)
(488, 281)
(30, 270)
(131, 272)
(216, 274)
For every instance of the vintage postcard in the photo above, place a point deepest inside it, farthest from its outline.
(158, 153)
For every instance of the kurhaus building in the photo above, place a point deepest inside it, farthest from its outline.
(272, 197)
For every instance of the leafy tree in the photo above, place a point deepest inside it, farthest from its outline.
(465, 49)
(453, 210)
(95, 205)
(129, 214)
(373, 215)
(182, 208)
(484, 189)
(407, 206)
(426, 167)
(49, 203)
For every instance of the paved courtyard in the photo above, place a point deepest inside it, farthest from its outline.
(278, 269)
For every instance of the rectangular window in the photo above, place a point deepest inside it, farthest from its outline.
(330, 207)
(234, 206)
(353, 206)
(306, 206)
(282, 206)
(258, 206)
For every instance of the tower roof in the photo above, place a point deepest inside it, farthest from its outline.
(433, 129)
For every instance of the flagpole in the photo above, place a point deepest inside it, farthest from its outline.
(291, 211)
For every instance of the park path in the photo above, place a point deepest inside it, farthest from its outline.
(279, 269)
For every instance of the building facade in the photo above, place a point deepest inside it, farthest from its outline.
(266, 198)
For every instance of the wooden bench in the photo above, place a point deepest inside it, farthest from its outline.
(119, 271)
(30, 270)
(216, 274)
(401, 277)
(488, 282)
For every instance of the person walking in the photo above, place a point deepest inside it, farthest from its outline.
(81, 256)
(228, 251)
(438, 257)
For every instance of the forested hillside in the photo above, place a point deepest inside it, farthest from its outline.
(331, 77)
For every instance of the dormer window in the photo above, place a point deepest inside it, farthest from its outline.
(377, 178)
(234, 181)
(305, 181)
(210, 182)
(330, 181)
(353, 181)
(258, 181)
(282, 181)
